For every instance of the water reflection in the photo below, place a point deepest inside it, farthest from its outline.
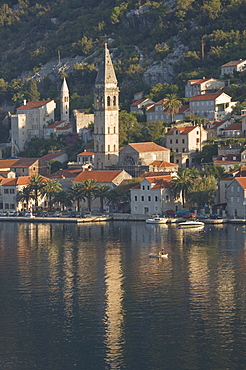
(89, 296)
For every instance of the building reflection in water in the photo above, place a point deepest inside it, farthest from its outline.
(114, 314)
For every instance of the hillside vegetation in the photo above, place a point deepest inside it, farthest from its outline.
(140, 34)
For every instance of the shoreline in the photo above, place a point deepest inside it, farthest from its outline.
(113, 217)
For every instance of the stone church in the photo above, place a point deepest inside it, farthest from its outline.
(106, 128)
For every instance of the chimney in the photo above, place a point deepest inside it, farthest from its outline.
(24, 102)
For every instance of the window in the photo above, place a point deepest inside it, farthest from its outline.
(167, 197)
(12, 191)
(177, 132)
(177, 160)
(171, 141)
(136, 198)
(108, 148)
(143, 187)
(6, 206)
(197, 140)
(142, 198)
(183, 140)
(108, 130)
(6, 191)
(177, 150)
(114, 101)
(156, 198)
(1, 205)
(108, 101)
(177, 141)
(149, 198)
(12, 206)
(148, 187)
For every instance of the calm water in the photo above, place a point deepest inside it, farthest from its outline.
(89, 297)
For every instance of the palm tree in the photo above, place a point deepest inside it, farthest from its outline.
(50, 188)
(63, 198)
(76, 193)
(171, 105)
(102, 193)
(24, 196)
(181, 184)
(36, 186)
(89, 191)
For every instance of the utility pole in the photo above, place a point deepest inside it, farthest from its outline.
(202, 47)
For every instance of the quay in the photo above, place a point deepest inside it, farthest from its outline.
(111, 217)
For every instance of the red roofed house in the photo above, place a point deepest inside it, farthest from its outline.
(139, 104)
(156, 113)
(110, 178)
(228, 161)
(213, 106)
(143, 154)
(86, 158)
(29, 122)
(9, 189)
(153, 196)
(230, 67)
(233, 130)
(236, 198)
(58, 128)
(55, 156)
(185, 141)
(216, 128)
(202, 86)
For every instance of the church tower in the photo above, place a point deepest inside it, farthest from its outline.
(106, 115)
(64, 101)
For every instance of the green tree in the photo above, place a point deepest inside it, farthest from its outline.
(50, 188)
(216, 171)
(202, 191)
(76, 193)
(89, 191)
(181, 184)
(101, 192)
(129, 128)
(36, 186)
(32, 93)
(154, 131)
(171, 105)
(63, 198)
(24, 196)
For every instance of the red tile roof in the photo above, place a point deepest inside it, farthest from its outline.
(199, 81)
(211, 96)
(63, 174)
(50, 156)
(234, 126)
(242, 181)
(99, 176)
(233, 63)
(163, 164)
(22, 180)
(24, 162)
(85, 154)
(7, 163)
(147, 147)
(34, 104)
(183, 130)
(55, 124)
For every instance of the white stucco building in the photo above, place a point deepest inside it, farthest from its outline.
(213, 106)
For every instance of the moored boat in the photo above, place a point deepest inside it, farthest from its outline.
(191, 224)
(158, 255)
(157, 220)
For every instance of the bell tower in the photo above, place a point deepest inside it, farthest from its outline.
(64, 101)
(106, 115)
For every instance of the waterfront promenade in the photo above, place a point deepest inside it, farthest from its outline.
(110, 217)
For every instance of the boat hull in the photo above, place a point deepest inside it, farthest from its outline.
(160, 220)
(156, 255)
(191, 225)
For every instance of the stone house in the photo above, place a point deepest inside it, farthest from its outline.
(202, 86)
(82, 120)
(58, 128)
(185, 139)
(30, 167)
(140, 105)
(112, 179)
(233, 66)
(155, 112)
(213, 106)
(153, 196)
(216, 128)
(86, 158)
(236, 198)
(143, 154)
(9, 188)
(233, 130)
(228, 161)
(29, 122)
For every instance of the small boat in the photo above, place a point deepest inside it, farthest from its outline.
(191, 224)
(157, 220)
(158, 255)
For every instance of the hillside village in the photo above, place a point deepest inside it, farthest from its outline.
(141, 178)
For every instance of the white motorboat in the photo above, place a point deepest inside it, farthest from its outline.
(158, 255)
(157, 220)
(191, 224)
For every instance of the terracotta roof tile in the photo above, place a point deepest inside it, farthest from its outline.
(99, 176)
(7, 163)
(211, 96)
(163, 164)
(147, 147)
(241, 181)
(85, 154)
(34, 104)
(233, 63)
(234, 126)
(24, 162)
(50, 156)
(183, 130)
(55, 124)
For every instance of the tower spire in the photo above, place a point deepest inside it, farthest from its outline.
(64, 101)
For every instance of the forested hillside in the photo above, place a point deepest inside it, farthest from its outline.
(151, 42)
